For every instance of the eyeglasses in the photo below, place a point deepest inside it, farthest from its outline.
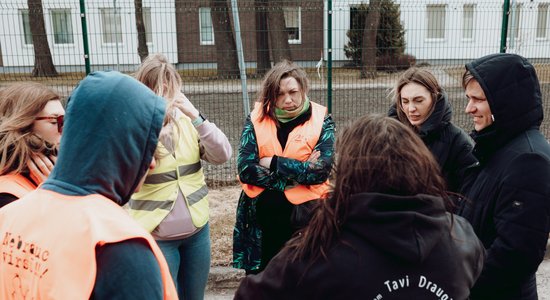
(58, 119)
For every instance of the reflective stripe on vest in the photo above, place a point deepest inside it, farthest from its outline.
(49, 243)
(300, 144)
(16, 184)
(181, 169)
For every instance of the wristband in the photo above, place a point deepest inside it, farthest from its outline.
(199, 120)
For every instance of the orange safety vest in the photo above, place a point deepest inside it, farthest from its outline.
(300, 144)
(48, 242)
(16, 184)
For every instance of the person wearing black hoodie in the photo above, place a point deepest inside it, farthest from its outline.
(508, 204)
(70, 238)
(422, 104)
(385, 232)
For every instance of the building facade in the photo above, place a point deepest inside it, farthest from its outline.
(184, 32)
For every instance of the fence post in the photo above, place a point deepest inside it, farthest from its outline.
(240, 56)
(329, 56)
(504, 30)
(85, 36)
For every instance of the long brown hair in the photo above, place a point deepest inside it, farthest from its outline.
(419, 76)
(376, 154)
(269, 90)
(20, 104)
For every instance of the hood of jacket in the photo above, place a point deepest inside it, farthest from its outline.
(111, 130)
(512, 89)
(407, 227)
(441, 116)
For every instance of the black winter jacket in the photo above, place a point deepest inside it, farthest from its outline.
(509, 202)
(389, 247)
(450, 145)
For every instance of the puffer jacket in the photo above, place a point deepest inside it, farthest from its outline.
(449, 144)
(508, 204)
(389, 247)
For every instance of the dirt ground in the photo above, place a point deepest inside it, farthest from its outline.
(223, 203)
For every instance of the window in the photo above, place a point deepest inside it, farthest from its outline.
(206, 27)
(514, 21)
(147, 23)
(62, 26)
(468, 21)
(542, 20)
(112, 26)
(293, 24)
(435, 15)
(27, 35)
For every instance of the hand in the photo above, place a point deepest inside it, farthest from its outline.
(314, 156)
(40, 167)
(266, 162)
(182, 103)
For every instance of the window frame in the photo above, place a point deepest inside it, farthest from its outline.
(114, 16)
(206, 42)
(473, 22)
(148, 19)
(430, 30)
(52, 12)
(546, 26)
(24, 16)
(518, 9)
(293, 9)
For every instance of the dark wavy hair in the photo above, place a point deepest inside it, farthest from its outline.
(269, 90)
(375, 154)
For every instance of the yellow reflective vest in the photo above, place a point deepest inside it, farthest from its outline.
(182, 170)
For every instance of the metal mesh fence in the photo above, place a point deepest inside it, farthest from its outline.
(324, 37)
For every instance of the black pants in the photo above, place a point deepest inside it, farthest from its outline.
(273, 213)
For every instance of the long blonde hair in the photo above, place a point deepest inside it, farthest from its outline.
(162, 78)
(20, 104)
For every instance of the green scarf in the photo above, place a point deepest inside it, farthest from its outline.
(285, 116)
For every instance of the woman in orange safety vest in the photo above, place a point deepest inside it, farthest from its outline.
(284, 161)
(31, 121)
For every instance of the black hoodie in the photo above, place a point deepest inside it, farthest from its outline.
(509, 202)
(389, 247)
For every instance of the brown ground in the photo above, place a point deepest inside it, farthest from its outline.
(223, 202)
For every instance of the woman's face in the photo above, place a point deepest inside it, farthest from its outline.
(290, 94)
(416, 102)
(46, 126)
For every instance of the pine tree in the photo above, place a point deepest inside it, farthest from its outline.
(390, 39)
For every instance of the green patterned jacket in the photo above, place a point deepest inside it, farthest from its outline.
(247, 236)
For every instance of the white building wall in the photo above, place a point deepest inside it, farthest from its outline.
(487, 24)
(487, 30)
(16, 53)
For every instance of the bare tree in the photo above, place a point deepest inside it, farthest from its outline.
(43, 62)
(278, 36)
(368, 69)
(226, 49)
(142, 49)
(263, 63)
